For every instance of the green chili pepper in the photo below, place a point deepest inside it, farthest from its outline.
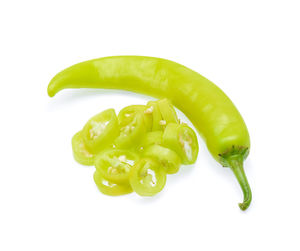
(167, 158)
(209, 109)
(114, 165)
(100, 130)
(151, 138)
(156, 116)
(183, 140)
(128, 112)
(167, 111)
(80, 152)
(147, 178)
(132, 130)
(110, 188)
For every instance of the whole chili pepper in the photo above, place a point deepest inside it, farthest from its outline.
(213, 114)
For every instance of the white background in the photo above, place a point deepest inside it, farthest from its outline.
(49, 202)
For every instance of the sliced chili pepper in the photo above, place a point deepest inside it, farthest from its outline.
(110, 188)
(167, 111)
(183, 140)
(128, 112)
(101, 130)
(157, 121)
(147, 177)
(132, 130)
(114, 165)
(151, 138)
(81, 154)
(168, 159)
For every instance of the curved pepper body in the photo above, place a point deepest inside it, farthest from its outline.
(213, 114)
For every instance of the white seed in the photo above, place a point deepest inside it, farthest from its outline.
(188, 150)
(87, 154)
(122, 158)
(130, 162)
(84, 151)
(125, 129)
(162, 122)
(149, 110)
(97, 128)
(92, 134)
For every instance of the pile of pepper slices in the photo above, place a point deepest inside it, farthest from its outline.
(135, 150)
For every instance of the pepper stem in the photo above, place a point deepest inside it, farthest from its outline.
(236, 165)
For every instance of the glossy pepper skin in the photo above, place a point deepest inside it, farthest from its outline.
(213, 114)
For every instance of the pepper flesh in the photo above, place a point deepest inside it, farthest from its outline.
(147, 178)
(81, 154)
(114, 165)
(167, 111)
(132, 130)
(128, 112)
(213, 114)
(110, 188)
(151, 138)
(183, 140)
(167, 158)
(100, 130)
(156, 116)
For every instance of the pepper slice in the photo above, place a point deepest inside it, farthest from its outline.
(151, 138)
(167, 111)
(157, 121)
(114, 165)
(81, 154)
(128, 112)
(183, 140)
(167, 158)
(109, 188)
(132, 130)
(147, 177)
(101, 130)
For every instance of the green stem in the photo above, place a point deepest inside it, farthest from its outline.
(236, 165)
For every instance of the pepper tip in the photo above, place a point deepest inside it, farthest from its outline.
(50, 91)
